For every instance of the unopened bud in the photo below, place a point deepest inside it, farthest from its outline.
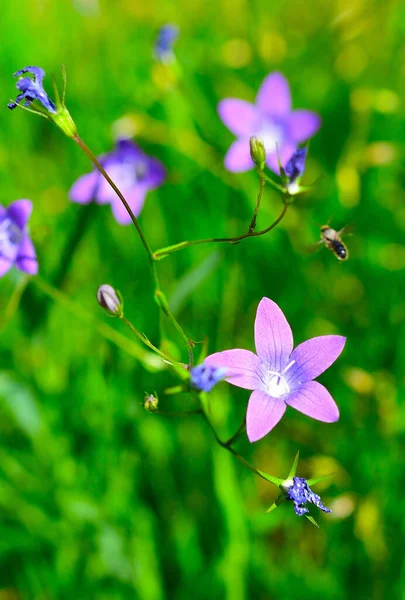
(110, 299)
(151, 403)
(257, 151)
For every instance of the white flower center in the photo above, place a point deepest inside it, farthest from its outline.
(276, 383)
(272, 135)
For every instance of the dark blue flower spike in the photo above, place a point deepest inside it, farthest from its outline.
(297, 490)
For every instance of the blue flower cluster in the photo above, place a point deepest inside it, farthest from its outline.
(300, 493)
(204, 377)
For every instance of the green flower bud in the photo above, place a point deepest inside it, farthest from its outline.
(151, 403)
(257, 151)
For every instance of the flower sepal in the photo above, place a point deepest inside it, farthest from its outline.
(297, 490)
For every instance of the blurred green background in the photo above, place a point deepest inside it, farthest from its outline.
(99, 499)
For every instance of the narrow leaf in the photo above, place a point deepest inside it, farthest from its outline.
(275, 480)
(293, 469)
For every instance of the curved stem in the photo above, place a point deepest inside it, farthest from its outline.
(236, 435)
(252, 225)
(163, 252)
(159, 296)
(104, 173)
(228, 447)
(149, 344)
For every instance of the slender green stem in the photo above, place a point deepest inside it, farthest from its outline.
(161, 299)
(228, 447)
(104, 329)
(159, 296)
(185, 413)
(104, 173)
(272, 183)
(148, 343)
(252, 225)
(236, 435)
(163, 252)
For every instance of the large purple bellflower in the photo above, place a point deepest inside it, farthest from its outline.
(278, 375)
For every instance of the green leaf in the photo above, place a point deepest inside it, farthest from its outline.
(312, 520)
(275, 504)
(294, 466)
(318, 479)
(275, 480)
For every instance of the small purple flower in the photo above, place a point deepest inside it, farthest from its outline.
(32, 89)
(16, 247)
(271, 119)
(278, 375)
(300, 493)
(204, 377)
(132, 171)
(163, 49)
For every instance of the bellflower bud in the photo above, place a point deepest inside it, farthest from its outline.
(110, 299)
(257, 151)
(151, 403)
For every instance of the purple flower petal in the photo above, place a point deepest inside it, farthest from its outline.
(286, 152)
(19, 212)
(239, 116)
(243, 367)
(135, 199)
(303, 124)
(273, 335)
(27, 258)
(156, 174)
(5, 265)
(84, 189)
(238, 157)
(274, 96)
(314, 356)
(314, 400)
(263, 413)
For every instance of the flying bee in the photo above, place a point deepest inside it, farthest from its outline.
(332, 240)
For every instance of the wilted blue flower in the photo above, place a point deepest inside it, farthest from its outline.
(163, 49)
(32, 89)
(204, 377)
(296, 165)
(300, 493)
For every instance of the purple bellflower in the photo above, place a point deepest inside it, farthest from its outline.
(204, 377)
(163, 48)
(131, 170)
(271, 119)
(31, 89)
(278, 375)
(16, 247)
(300, 493)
